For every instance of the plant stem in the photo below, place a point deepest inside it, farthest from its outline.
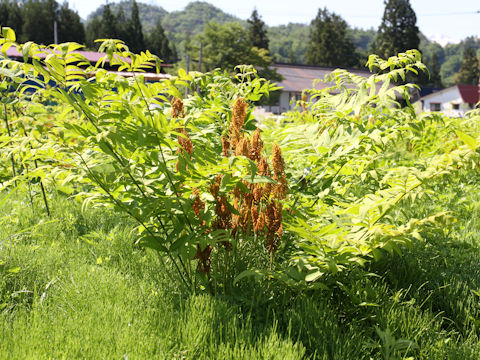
(5, 116)
(120, 204)
(47, 208)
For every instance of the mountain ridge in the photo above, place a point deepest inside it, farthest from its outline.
(288, 42)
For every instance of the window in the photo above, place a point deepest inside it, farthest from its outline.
(435, 107)
(456, 106)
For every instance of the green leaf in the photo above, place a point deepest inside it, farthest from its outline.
(152, 242)
(257, 274)
(471, 142)
(14, 270)
(314, 276)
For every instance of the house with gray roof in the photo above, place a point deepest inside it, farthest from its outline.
(297, 78)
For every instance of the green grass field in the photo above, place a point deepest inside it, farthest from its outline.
(349, 230)
(74, 286)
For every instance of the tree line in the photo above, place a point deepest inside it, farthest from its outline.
(330, 44)
(329, 40)
(35, 20)
(129, 29)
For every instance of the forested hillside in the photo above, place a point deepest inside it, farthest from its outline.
(170, 34)
(149, 14)
(288, 43)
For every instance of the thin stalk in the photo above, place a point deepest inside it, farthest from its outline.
(47, 208)
(225, 268)
(5, 116)
(170, 180)
(170, 276)
(30, 191)
(120, 204)
(147, 105)
(43, 192)
(121, 162)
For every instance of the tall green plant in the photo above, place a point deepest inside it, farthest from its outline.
(120, 143)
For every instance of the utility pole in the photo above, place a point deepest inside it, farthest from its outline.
(55, 30)
(200, 58)
(187, 60)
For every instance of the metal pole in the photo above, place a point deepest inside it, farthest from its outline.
(187, 60)
(200, 58)
(55, 32)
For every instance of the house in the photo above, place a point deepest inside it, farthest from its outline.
(453, 101)
(297, 78)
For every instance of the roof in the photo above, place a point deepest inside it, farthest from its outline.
(297, 78)
(468, 93)
(146, 75)
(91, 56)
(442, 91)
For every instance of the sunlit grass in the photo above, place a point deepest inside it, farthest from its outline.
(75, 286)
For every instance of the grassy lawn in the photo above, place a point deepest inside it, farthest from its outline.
(349, 230)
(75, 286)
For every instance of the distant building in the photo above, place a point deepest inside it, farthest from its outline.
(297, 78)
(93, 57)
(453, 101)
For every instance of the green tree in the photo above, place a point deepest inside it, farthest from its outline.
(11, 15)
(158, 44)
(432, 78)
(330, 43)
(470, 69)
(123, 25)
(109, 24)
(435, 77)
(38, 21)
(135, 39)
(70, 27)
(398, 31)
(287, 42)
(228, 45)
(93, 32)
(257, 32)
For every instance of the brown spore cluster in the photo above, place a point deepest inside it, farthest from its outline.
(258, 207)
(258, 210)
(186, 144)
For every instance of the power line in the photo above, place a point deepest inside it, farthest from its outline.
(418, 15)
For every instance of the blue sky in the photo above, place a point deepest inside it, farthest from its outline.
(442, 19)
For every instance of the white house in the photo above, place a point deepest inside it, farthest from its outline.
(453, 101)
(297, 78)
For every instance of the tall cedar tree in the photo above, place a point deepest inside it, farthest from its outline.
(123, 26)
(470, 70)
(257, 32)
(330, 43)
(430, 78)
(109, 24)
(11, 15)
(38, 20)
(158, 44)
(398, 31)
(70, 27)
(93, 32)
(135, 40)
(435, 77)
